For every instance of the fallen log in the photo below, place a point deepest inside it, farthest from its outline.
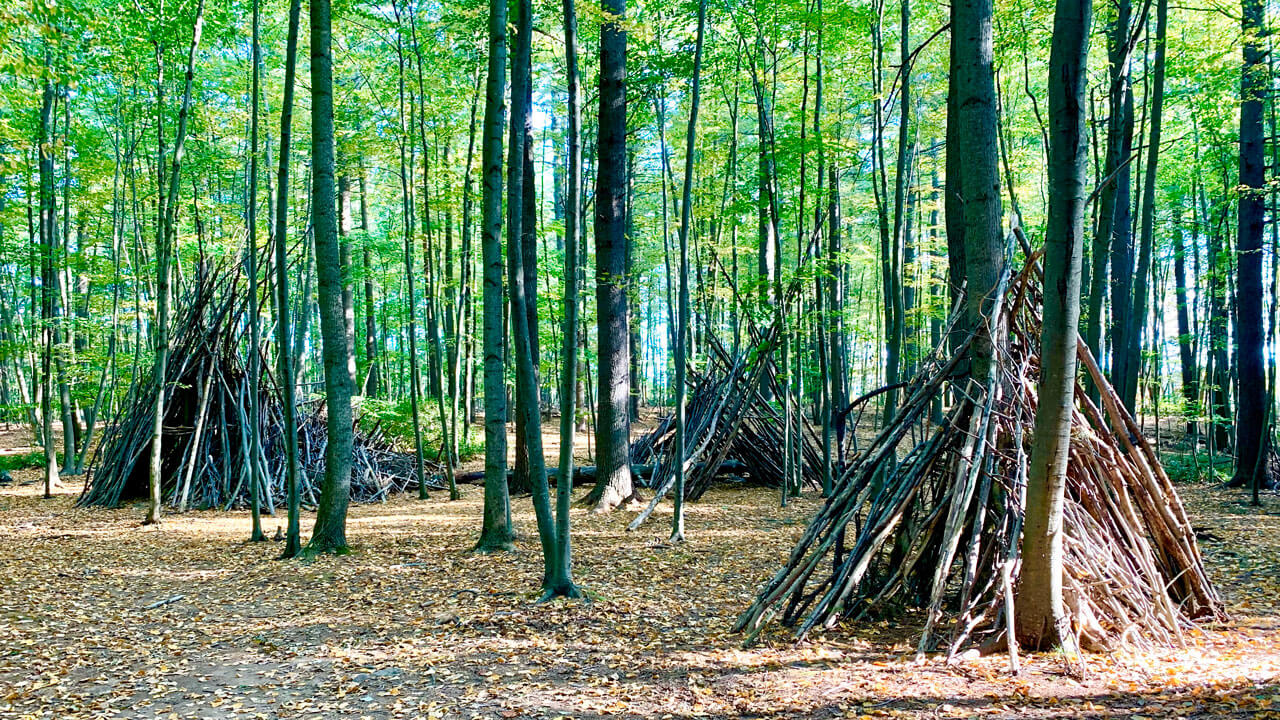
(587, 473)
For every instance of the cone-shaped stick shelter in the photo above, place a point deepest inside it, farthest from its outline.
(205, 444)
(935, 527)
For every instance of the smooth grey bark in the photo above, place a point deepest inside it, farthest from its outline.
(974, 83)
(329, 534)
(1041, 618)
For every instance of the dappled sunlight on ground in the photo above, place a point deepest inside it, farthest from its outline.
(413, 624)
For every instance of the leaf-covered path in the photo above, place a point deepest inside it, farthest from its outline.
(413, 625)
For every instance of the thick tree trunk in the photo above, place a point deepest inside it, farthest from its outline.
(1041, 613)
(974, 85)
(953, 192)
(613, 426)
(1251, 399)
(335, 491)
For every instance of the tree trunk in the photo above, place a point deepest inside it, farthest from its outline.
(613, 429)
(682, 332)
(560, 573)
(407, 227)
(372, 381)
(331, 515)
(1041, 614)
(974, 85)
(1186, 335)
(1251, 398)
(284, 335)
(165, 246)
(46, 251)
(256, 481)
(1141, 280)
(496, 532)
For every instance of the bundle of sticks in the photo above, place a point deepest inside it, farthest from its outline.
(936, 525)
(206, 452)
(729, 420)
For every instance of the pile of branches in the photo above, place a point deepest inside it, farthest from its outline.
(205, 452)
(729, 422)
(935, 526)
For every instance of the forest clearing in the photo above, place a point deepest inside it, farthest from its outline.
(190, 621)
(663, 359)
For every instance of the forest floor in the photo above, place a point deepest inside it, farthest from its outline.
(413, 624)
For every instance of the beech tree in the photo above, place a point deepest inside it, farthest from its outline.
(1041, 614)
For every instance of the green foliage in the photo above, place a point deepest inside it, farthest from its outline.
(395, 419)
(22, 461)
(1196, 467)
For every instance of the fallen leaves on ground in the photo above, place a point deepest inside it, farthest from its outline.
(415, 625)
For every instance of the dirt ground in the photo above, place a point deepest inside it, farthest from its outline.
(103, 618)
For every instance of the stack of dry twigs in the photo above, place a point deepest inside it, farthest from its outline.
(206, 452)
(728, 419)
(936, 526)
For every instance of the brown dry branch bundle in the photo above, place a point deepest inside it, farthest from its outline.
(932, 529)
(207, 461)
(728, 423)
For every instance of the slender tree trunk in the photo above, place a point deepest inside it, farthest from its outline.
(335, 492)
(284, 335)
(407, 226)
(613, 430)
(344, 256)
(165, 246)
(1141, 279)
(521, 327)
(372, 382)
(256, 481)
(1041, 613)
(682, 333)
(1115, 236)
(560, 574)
(46, 252)
(1186, 335)
(496, 532)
